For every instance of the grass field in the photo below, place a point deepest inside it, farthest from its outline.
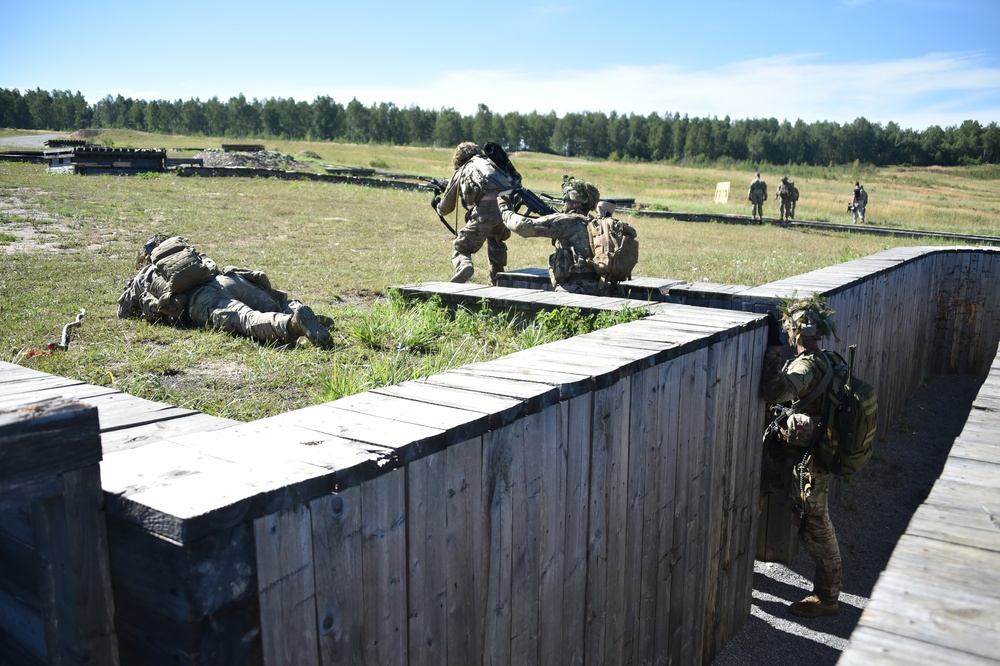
(69, 242)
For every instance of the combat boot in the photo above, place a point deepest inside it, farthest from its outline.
(304, 322)
(813, 606)
(463, 273)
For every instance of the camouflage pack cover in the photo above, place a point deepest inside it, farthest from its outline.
(180, 265)
(615, 247)
(479, 176)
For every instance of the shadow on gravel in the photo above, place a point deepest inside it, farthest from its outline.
(869, 516)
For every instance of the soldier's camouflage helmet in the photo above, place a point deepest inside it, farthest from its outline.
(784, 179)
(464, 152)
(806, 318)
(581, 193)
(143, 257)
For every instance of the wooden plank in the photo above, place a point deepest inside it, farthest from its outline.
(120, 410)
(871, 645)
(181, 494)
(459, 423)
(138, 435)
(428, 562)
(403, 438)
(340, 592)
(286, 586)
(498, 460)
(45, 440)
(569, 385)
(665, 549)
(464, 551)
(62, 391)
(383, 568)
(526, 534)
(534, 396)
(576, 415)
(640, 582)
(71, 544)
(608, 486)
(22, 633)
(550, 437)
(497, 411)
(23, 388)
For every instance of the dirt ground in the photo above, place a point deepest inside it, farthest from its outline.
(869, 517)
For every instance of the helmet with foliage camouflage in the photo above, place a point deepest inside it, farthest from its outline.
(579, 194)
(806, 318)
(784, 179)
(464, 152)
(143, 257)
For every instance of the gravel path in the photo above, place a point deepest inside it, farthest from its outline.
(28, 141)
(869, 517)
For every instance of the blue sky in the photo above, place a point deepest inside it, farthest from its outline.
(916, 62)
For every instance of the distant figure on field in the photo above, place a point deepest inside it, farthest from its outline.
(178, 285)
(859, 202)
(757, 195)
(788, 194)
(476, 183)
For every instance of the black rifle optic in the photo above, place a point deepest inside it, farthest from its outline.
(522, 195)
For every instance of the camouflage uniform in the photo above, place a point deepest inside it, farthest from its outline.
(788, 195)
(780, 385)
(757, 195)
(238, 301)
(477, 182)
(232, 303)
(569, 269)
(859, 202)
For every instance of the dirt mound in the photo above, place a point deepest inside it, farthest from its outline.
(261, 159)
(85, 134)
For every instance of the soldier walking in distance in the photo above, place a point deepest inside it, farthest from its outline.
(859, 202)
(757, 195)
(787, 196)
(806, 321)
(476, 183)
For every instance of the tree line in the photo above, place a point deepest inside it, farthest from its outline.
(666, 137)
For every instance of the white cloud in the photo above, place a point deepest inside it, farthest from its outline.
(937, 89)
(942, 89)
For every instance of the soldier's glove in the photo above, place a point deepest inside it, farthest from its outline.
(435, 201)
(773, 331)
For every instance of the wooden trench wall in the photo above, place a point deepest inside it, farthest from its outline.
(589, 500)
(593, 500)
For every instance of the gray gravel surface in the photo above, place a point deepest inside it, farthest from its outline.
(28, 141)
(869, 516)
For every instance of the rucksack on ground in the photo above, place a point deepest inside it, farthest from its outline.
(616, 250)
(851, 419)
(180, 264)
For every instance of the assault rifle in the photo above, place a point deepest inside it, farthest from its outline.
(522, 196)
(437, 187)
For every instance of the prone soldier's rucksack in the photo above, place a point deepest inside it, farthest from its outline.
(850, 418)
(179, 264)
(616, 250)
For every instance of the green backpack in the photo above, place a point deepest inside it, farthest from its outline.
(850, 417)
(616, 250)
